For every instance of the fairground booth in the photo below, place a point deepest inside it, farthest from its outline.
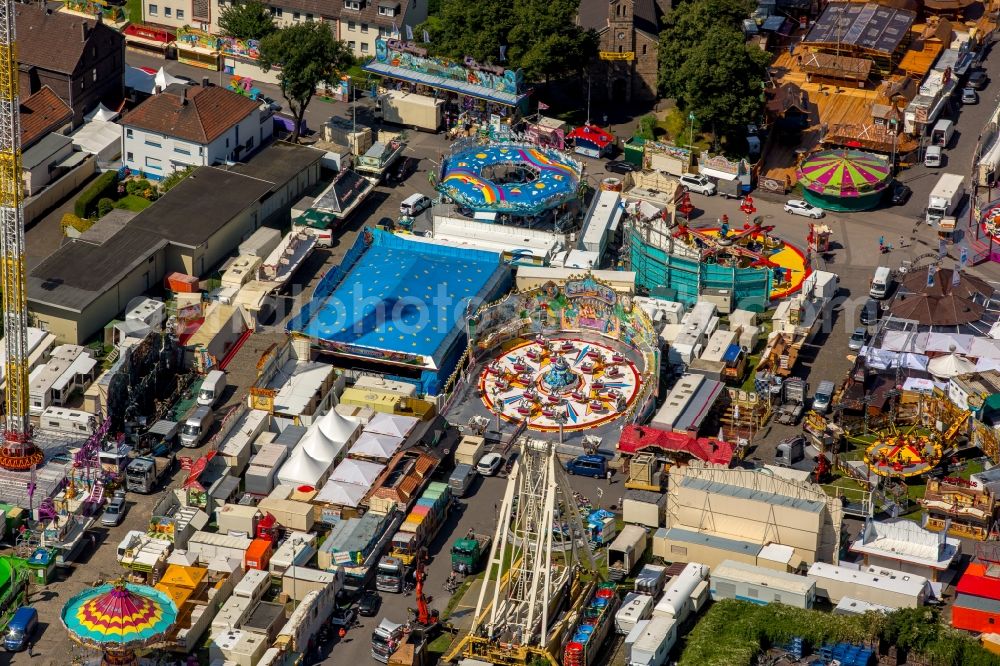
(148, 39)
(474, 95)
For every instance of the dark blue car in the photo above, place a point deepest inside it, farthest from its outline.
(595, 466)
(21, 629)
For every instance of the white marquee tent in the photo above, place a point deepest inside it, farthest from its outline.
(301, 469)
(395, 425)
(376, 445)
(950, 365)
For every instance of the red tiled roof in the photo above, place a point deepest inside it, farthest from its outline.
(193, 113)
(593, 134)
(975, 582)
(42, 113)
(636, 438)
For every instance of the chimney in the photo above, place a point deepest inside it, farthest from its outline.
(204, 82)
(157, 90)
(86, 30)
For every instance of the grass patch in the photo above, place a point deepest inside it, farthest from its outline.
(133, 10)
(457, 597)
(970, 468)
(441, 644)
(133, 203)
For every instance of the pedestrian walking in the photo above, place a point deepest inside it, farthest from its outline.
(609, 477)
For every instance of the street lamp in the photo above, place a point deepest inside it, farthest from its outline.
(691, 120)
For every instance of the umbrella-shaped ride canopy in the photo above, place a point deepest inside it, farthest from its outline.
(119, 616)
(844, 173)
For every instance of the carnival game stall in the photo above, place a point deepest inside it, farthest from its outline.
(844, 180)
(474, 95)
(592, 141)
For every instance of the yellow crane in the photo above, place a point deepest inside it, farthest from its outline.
(17, 452)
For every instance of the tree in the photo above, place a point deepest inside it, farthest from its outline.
(177, 176)
(474, 29)
(307, 55)
(707, 67)
(247, 20)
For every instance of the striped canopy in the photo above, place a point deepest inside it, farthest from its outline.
(844, 173)
(119, 616)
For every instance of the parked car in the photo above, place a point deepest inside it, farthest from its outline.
(858, 339)
(900, 193)
(978, 79)
(343, 617)
(369, 603)
(799, 207)
(21, 629)
(269, 103)
(969, 96)
(115, 511)
(489, 464)
(403, 170)
(869, 312)
(620, 166)
(698, 183)
(595, 466)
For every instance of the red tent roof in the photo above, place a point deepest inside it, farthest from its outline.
(975, 582)
(708, 449)
(593, 134)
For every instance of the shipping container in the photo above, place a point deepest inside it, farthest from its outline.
(258, 555)
(239, 519)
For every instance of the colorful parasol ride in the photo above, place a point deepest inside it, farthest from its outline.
(903, 455)
(847, 180)
(119, 619)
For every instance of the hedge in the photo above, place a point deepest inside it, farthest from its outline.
(106, 185)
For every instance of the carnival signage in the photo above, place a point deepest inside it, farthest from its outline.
(590, 288)
(369, 352)
(406, 56)
(616, 55)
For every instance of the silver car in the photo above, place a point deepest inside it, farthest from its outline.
(115, 512)
(858, 339)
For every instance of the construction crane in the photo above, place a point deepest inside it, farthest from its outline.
(18, 452)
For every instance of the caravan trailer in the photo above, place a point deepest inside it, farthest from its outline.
(69, 421)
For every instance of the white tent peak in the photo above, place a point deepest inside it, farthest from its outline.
(950, 365)
(319, 446)
(164, 79)
(337, 427)
(102, 113)
(392, 424)
(302, 469)
(359, 472)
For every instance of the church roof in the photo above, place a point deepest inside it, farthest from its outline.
(594, 14)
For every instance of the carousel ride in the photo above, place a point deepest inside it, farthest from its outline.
(753, 246)
(555, 382)
(844, 179)
(903, 454)
(119, 619)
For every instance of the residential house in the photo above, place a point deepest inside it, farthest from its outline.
(192, 126)
(43, 113)
(81, 60)
(629, 45)
(364, 21)
(290, 12)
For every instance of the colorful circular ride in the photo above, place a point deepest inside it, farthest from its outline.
(903, 455)
(753, 246)
(119, 619)
(989, 219)
(843, 179)
(509, 178)
(560, 381)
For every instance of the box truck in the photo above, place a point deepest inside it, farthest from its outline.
(410, 110)
(944, 198)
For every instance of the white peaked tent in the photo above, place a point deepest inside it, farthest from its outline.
(163, 79)
(392, 424)
(950, 365)
(376, 445)
(358, 472)
(342, 494)
(102, 113)
(337, 427)
(301, 469)
(319, 446)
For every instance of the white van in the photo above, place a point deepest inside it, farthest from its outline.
(196, 426)
(212, 387)
(881, 283)
(932, 158)
(414, 204)
(941, 134)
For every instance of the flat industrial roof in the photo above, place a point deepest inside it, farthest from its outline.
(739, 492)
(199, 206)
(710, 540)
(279, 163)
(878, 578)
(752, 573)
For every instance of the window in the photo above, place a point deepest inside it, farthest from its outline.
(364, 27)
(352, 4)
(153, 10)
(94, 73)
(309, 17)
(679, 550)
(364, 47)
(129, 157)
(250, 143)
(777, 598)
(383, 31)
(153, 163)
(167, 11)
(619, 48)
(227, 142)
(128, 134)
(387, 11)
(276, 11)
(153, 144)
(644, 49)
(296, 16)
(182, 151)
(180, 14)
(351, 45)
(752, 592)
(352, 26)
(201, 152)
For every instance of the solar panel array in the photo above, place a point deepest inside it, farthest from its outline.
(870, 26)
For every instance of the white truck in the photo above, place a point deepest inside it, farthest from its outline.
(944, 198)
(145, 472)
(626, 551)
